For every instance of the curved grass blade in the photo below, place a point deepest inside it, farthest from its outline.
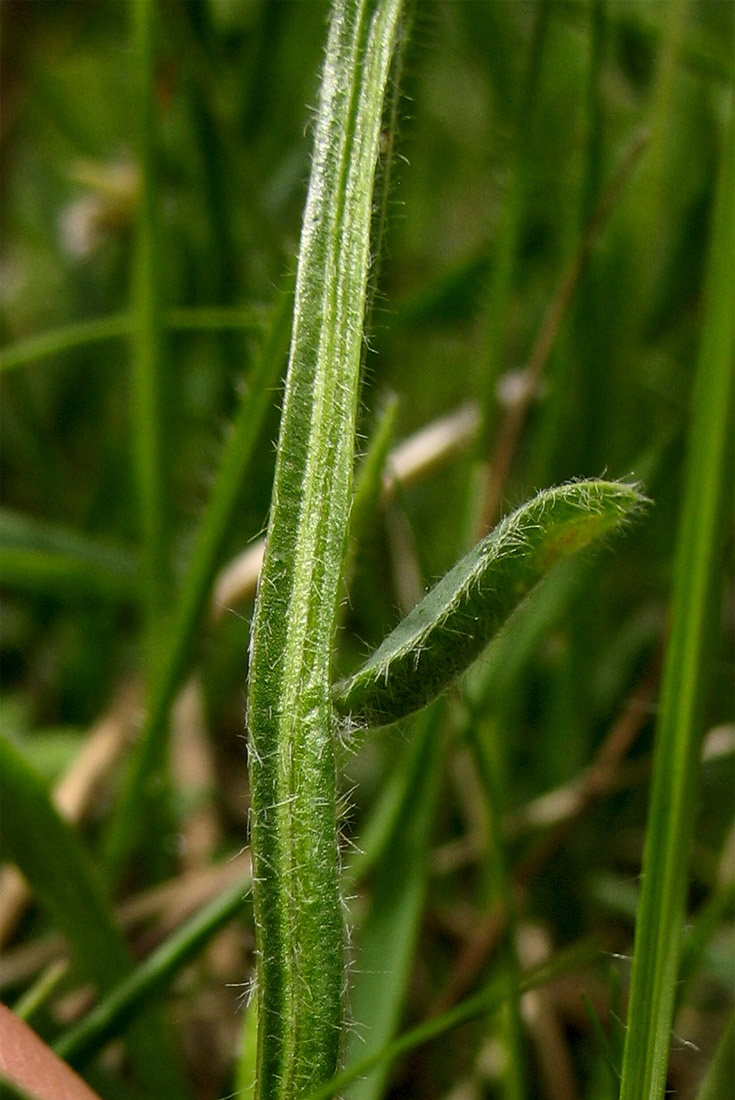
(118, 326)
(124, 1002)
(453, 623)
(57, 868)
(79, 334)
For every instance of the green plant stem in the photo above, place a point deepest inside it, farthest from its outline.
(291, 754)
(694, 616)
(147, 344)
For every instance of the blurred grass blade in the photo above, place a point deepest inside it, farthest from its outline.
(719, 1081)
(484, 1003)
(63, 339)
(118, 325)
(718, 909)
(125, 1001)
(183, 632)
(491, 770)
(369, 479)
(59, 872)
(147, 344)
(386, 941)
(41, 557)
(246, 1070)
(694, 617)
(216, 319)
(503, 272)
(453, 623)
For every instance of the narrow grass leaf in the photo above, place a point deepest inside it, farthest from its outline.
(491, 769)
(453, 623)
(147, 342)
(125, 1001)
(695, 612)
(369, 479)
(387, 938)
(719, 1080)
(57, 868)
(191, 605)
(484, 1003)
(41, 557)
(80, 334)
(117, 326)
(506, 245)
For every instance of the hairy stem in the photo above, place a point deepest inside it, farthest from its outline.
(291, 745)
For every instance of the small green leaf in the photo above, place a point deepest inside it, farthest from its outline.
(450, 627)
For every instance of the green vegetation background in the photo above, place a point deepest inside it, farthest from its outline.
(514, 119)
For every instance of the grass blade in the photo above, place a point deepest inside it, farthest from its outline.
(147, 342)
(52, 859)
(192, 603)
(718, 1081)
(119, 325)
(37, 556)
(387, 939)
(694, 615)
(63, 339)
(124, 1002)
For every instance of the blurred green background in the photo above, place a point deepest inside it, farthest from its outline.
(514, 119)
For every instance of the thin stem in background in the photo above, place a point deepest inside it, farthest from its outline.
(190, 608)
(503, 277)
(484, 1003)
(119, 325)
(509, 434)
(147, 344)
(695, 614)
